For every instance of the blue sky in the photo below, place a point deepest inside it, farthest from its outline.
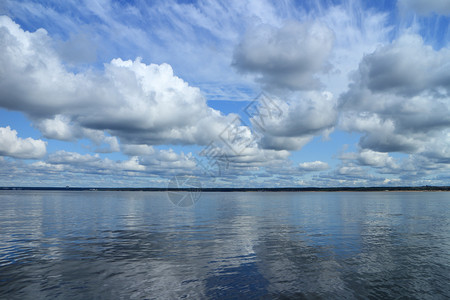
(236, 93)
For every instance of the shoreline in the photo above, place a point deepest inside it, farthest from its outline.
(287, 189)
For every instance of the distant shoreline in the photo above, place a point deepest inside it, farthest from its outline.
(287, 189)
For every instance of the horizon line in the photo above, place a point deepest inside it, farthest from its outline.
(235, 189)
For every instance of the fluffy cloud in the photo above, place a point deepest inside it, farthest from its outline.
(286, 57)
(400, 98)
(292, 123)
(375, 159)
(14, 146)
(58, 128)
(313, 166)
(425, 7)
(382, 162)
(379, 134)
(407, 67)
(136, 102)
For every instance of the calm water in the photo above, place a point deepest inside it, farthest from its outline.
(138, 245)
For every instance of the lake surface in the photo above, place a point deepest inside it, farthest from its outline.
(139, 245)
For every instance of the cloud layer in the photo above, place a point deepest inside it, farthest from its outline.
(371, 79)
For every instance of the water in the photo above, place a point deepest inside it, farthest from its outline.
(138, 245)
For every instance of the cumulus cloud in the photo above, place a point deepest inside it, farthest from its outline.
(400, 97)
(287, 57)
(375, 159)
(136, 102)
(425, 7)
(292, 122)
(379, 134)
(313, 166)
(13, 146)
(58, 128)
(381, 161)
(407, 67)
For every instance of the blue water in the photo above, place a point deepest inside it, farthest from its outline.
(139, 245)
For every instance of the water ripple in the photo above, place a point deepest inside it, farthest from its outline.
(229, 246)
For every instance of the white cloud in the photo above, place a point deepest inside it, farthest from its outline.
(425, 7)
(407, 67)
(14, 146)
(379, 160)
(379, 133)
(375, 159)
(313, 166)
(286, 57)
(133, 101)
(400, 98)
(58, 128)
(295, 121)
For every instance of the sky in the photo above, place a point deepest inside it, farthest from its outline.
(245, 93)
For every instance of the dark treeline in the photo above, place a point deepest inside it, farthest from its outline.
(287, 189)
